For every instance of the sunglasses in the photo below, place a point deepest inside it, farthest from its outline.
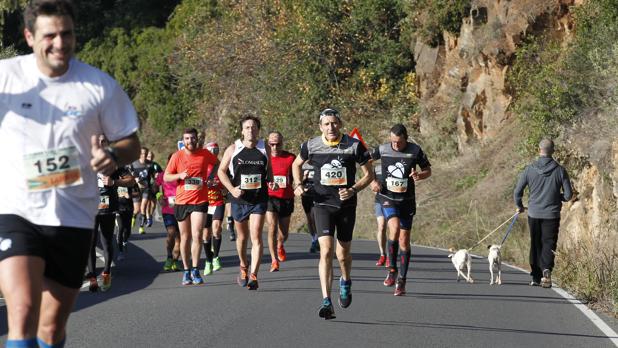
(275, 144)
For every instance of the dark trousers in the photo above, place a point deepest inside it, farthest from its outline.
(124, 227)
(543, 241)
(104, 224)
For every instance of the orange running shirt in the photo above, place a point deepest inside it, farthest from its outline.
(193, 189)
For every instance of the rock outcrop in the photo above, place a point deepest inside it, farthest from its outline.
(464, 79)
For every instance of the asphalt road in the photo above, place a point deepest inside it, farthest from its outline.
(148, 308)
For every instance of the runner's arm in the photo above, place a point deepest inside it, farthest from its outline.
(297, 174)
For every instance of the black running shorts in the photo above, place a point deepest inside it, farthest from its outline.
(329, 218)
(64, 249)
(181, 211)
(283, 207)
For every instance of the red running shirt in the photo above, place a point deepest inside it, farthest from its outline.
(193, 189)
(282, 174)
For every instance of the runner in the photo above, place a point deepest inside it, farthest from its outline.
(280, 201)
(396, 194)
(334, 156)
(247, 160)
(125, 186)
(307, 202)
(144, 175)
(381, 223)
(104, 223)
(53, 107)
(212, 228)
(167, 199)
(152, 202)
(191, 165)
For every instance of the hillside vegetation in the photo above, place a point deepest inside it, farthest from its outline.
(204, 63)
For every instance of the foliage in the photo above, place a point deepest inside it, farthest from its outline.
(428, 19)
(556, 84)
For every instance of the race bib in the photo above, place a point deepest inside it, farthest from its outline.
(250, 181)
(103, 202)
(396, 185)
(333, 176)
(211, 209)
(123, 192)
(171, 201)
(52, 169)
(281, 180)
(193, 184)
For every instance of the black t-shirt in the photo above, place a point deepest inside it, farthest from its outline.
(108, 195)
(396, 167)
(125, 194)
(144, 174)
(249, 170)
(335, 167)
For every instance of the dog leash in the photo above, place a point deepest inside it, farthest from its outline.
(510, 228)
(494, 231)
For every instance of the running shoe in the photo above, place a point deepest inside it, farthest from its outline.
(208, 268)
(387, 264)
(546, 279)
(315, 247)
(242, 278)
(326, 309)
(345, 293)
(281, 254)
(381, 261)
(400, 287)
(274, 266)
(120, 256)
(106, 284)
(195, 276)
(390, 278)
(186, 278)
(216, 264)
(253, 282)
(149, 222)
(141, 230)
(167, 267)
(94, 285)
(175, 266)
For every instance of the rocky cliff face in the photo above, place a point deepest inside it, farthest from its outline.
(464, 79)
(462, 86)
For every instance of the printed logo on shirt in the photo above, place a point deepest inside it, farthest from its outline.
(5, 244)
(257, 163)
(26, 105)
(72, 111)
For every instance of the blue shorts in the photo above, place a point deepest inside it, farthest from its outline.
(241, 212)
(169, 220)
(402, 210)
(377, 209)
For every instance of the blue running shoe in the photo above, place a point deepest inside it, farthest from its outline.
(345, 293)
(195, 275)
(326, 310)
(186, 278)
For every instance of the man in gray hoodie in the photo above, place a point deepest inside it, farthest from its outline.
(549, 186)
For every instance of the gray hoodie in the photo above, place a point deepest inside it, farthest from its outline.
(549, 186)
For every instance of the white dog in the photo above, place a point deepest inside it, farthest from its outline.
(461, 259)
(494, 259)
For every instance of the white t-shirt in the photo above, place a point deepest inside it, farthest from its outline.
(45, 130)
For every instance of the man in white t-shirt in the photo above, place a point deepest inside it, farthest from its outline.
(52, 109)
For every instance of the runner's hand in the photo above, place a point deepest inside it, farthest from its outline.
(183, 175)
(273, 186)
(345, 193)
(300, 190)
(101, 162)
(376, 187)
(236, 192)
(414, 175)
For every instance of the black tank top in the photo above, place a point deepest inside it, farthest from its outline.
(249, 168)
